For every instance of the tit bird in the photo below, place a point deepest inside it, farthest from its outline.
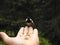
(29, 22)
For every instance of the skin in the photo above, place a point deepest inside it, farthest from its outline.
(25, 36)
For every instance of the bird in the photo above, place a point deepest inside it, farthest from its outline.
(29, 22)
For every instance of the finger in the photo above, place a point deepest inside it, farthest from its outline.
(21, 31)
(30, 30)
(26, 30)
(35, 32)
(4, 36)
(35, 35)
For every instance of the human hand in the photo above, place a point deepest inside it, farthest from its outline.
(25, 36)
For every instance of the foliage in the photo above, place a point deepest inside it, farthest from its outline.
(43, 41)
(1, 43)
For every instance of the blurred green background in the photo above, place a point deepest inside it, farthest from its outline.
(45, 14)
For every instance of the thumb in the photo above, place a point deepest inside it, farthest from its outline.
(4, 36)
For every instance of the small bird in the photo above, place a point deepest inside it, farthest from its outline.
(29, 22)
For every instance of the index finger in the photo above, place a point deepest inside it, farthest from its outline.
(21, 31)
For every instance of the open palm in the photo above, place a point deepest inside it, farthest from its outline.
(25, 36)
